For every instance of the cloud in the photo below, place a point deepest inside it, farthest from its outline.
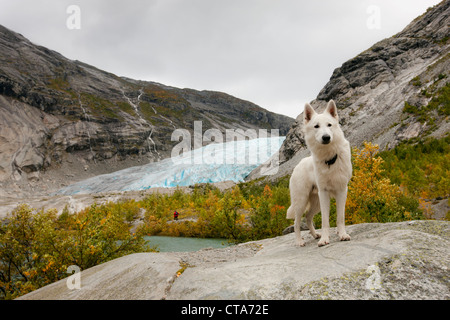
(277, 54)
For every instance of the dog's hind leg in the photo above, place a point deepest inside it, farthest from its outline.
(299, 242)
(298, 207)
(314, 208)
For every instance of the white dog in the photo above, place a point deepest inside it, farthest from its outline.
(321, 176)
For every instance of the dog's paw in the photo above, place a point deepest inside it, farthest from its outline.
(299, 243)
(323, 242)
(316, 236)
(345, 237)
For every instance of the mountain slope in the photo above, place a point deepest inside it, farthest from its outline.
(398, 89)
(62, 121)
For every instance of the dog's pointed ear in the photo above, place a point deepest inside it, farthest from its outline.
(308, 113)
(332, 109)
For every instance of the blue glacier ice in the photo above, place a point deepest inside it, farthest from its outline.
(215, 162)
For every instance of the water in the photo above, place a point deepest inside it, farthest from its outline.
(182, 244)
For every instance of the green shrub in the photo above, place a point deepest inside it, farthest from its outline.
(36, 248)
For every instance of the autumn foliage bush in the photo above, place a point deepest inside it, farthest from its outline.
(208, 212)
(36, 248)
(372, 197)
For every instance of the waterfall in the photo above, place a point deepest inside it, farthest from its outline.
(142, 120)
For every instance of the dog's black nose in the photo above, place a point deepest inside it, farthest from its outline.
(326, 139)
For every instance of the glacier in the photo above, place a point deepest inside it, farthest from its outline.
(215, 162)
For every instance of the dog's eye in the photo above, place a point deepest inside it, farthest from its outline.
(329, 124)
(316, 126)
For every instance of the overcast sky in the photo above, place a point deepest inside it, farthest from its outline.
(276, 53)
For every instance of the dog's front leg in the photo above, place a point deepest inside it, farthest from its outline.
(341, 197)
(324, 198)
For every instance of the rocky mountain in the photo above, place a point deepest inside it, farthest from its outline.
(396, 90)
(62, 121)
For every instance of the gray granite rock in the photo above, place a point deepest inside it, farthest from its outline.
(405, 260)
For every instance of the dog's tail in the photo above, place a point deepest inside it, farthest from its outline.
(290, 214)
(291, 211)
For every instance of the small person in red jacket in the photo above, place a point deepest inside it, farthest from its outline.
(175, 215)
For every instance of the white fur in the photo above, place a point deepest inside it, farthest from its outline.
(313, 182)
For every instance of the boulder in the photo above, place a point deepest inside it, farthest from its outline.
(404, 260)
(136, 276)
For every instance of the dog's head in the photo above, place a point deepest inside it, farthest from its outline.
(320, 126)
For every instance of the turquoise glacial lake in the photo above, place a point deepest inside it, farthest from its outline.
(182, 244)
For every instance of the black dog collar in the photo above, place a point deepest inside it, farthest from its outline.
(331, 161)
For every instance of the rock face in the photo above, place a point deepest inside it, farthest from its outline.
(398, 89)
(405, 260)
(64, 121)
